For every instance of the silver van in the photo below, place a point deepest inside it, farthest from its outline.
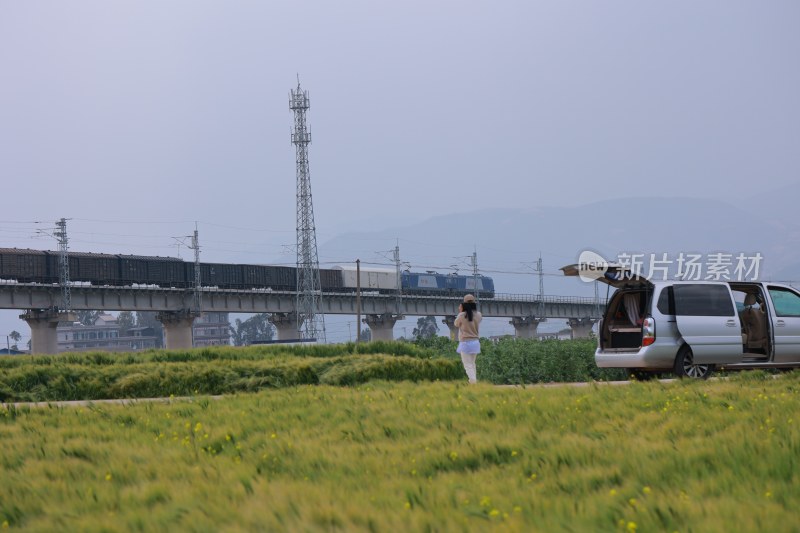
(693, 327)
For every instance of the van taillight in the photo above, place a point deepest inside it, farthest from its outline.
(648, 331)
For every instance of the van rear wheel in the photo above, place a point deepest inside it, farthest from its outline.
(685, 367)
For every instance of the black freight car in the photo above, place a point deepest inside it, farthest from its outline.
(171, 272)
(276, 278)
(37, 266)
(143, 270)
(283, 278)
(220, 275)
(254, 276)
(26, 266)
(97, 269)
(133, 269)
(331, 280)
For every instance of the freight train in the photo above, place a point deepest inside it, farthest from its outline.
(41, 266)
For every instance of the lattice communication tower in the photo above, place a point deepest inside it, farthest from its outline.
(310, 320)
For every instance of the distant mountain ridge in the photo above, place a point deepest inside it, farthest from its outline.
(508, 241)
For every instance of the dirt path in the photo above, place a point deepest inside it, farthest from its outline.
(131, 401)
(123, 401)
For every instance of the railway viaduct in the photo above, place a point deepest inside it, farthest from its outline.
(176, 312)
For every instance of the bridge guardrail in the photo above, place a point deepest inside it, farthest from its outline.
(499, 296)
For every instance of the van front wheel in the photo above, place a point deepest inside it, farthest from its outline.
(685, 367)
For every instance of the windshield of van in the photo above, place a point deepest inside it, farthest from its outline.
(785, 301)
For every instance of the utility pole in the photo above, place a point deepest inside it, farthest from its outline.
(474, 260)
(198, 298)
(540, 271)
(358, 300)
(309, 286)
(63, 271)
(399, 279)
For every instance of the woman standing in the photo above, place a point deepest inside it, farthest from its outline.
(469, 346)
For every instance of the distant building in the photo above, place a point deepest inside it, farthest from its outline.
(562, 335)
(212, 329)
(103, 335)
(497, 338)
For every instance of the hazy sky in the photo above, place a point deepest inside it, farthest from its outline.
(137, 118)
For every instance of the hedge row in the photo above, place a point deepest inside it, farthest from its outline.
(71, 381)
(226, 370)
(222, 353)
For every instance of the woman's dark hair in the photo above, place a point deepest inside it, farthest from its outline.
(468, 308)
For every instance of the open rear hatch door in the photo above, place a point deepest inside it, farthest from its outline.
(707, 320)
(612, 274)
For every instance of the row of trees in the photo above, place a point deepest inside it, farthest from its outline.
(426, 328)
(255, 328)
(258, 327)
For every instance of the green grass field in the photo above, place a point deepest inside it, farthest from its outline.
(433, 456)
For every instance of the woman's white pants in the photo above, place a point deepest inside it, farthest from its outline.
(468, 359)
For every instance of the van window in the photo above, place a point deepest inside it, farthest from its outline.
(703, 300)
(785, 301)
(666, 301)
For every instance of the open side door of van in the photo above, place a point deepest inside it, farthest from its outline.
(707, 320)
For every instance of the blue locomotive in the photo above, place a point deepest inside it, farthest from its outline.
(434, 283)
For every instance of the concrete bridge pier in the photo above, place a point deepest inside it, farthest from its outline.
(43, 324)
(525, 327)
(581, 327)
(286, 326)
(381, 326)
(450, 322)
(177, 328)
